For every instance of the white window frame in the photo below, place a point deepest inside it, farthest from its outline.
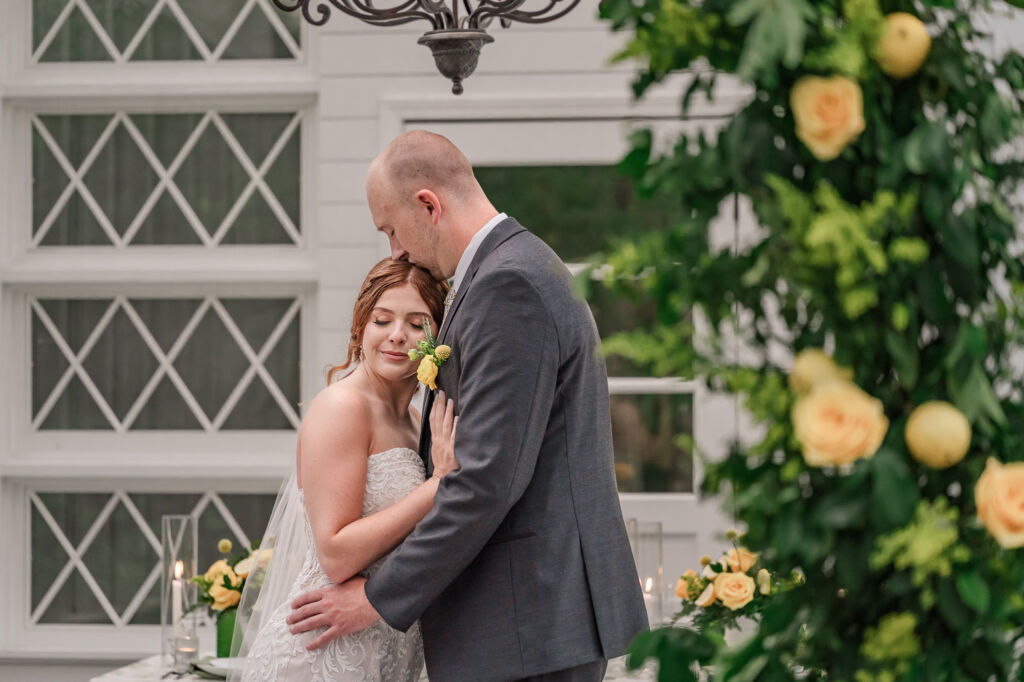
(144, 461)
(688, 523)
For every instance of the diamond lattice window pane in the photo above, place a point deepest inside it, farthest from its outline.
(120, 364)
(120, 558)
(166, 179)
(110, 574)
(175, 30)
(121, 19)
(141, 364)
(167, 40)
(120, 179)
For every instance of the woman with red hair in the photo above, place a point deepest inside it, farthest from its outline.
(360, 487)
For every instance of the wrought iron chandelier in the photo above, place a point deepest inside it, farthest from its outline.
(456, 37)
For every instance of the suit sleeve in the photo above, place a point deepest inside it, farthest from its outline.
(509, 366)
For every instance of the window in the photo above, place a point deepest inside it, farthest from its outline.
(580, 211)
(155, 295)
(122, 31)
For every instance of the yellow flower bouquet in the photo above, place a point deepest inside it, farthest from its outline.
(728, 589)
(220, 588)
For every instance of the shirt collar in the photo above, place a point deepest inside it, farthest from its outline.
(471, 249)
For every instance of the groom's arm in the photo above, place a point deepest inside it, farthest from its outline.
(509, 366)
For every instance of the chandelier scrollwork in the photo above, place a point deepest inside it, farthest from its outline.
(459, 27)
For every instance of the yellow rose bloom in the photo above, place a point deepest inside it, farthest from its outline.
(218, 568)
(740, 560)
(734, 590)
(812, 366)
(837, 423)
(223, 597)
(829, 114)
(999, 494)
(427, 373)
(683, 586)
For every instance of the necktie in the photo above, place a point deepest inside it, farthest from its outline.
(448, 302)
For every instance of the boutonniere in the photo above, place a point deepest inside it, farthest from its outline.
(431, 357)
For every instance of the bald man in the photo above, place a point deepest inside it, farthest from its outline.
(522, 570)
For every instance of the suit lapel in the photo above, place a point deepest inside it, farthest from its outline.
(501, 233)
(428, 402)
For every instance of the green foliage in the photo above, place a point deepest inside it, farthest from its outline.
(899, 255)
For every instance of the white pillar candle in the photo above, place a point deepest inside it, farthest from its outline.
(179, 570)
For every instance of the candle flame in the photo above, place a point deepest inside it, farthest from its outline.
(179, 569)
(649, 585)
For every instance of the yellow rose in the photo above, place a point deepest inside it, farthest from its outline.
(218, 568)
(999, 494)
(683, 586)
(427, 373)
(812, 366)
(740, 560)
(734, 590)
(837, 423)
(223, 597)
(938, 435)
(829, 114)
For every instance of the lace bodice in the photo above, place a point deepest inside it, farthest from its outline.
(377, 654)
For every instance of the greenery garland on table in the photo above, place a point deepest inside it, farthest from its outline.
(879, 148)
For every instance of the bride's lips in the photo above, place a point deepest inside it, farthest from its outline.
(395, 354)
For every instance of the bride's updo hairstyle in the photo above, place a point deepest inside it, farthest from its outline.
(385, 275)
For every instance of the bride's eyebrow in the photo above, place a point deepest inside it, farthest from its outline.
(378, 309)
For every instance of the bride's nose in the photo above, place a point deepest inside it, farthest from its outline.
(397, 332)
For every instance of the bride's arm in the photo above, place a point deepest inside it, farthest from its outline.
(334, 440)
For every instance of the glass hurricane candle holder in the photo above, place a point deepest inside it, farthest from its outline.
(645, 541)
(178, 593)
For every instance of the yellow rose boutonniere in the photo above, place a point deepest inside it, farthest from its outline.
(430, 355)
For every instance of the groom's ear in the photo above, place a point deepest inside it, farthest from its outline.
(430, 201)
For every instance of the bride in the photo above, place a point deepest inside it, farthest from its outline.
(359, 488)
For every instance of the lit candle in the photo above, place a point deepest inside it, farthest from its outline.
(179, 570)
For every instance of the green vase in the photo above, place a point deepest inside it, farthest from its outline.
(225, 628)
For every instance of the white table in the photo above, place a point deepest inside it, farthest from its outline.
(149, 670)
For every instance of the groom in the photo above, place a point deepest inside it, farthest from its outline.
(522, 570)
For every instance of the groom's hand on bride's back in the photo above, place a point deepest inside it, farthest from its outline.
(342, 609)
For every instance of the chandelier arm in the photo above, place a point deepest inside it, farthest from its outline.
(506, 11)
(362, 11)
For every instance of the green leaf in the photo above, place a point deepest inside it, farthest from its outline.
(973, 590)
(842, 510)
(894, 493)
(636, 160)
(905, 358)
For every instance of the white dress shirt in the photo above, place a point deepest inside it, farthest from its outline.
(471, 249)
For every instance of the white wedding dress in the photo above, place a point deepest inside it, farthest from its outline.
(377, 654)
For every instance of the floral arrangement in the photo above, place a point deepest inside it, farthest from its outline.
(727, 590)
(220, 588)
(867, 321)
(431, 357)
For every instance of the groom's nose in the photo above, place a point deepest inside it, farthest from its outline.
(397, 252)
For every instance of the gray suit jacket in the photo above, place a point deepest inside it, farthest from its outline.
(523, 565)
